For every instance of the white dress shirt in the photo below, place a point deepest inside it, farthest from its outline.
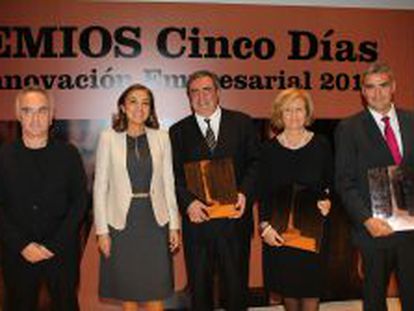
(214, 122)
(392, 114)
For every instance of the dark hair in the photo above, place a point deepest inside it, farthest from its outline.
(201, 74)
(120, 121)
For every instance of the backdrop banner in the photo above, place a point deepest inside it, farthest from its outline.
(88, 52)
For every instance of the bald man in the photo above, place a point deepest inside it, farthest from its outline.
(42, 201)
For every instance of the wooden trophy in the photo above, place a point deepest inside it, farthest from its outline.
(214, 184)
(297, 218)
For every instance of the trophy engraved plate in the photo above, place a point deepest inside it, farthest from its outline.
(392, 195)
(297, 218)
(214, 184)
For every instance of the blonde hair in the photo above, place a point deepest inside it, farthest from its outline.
(285, 97)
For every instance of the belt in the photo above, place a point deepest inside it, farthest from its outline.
(140, 195)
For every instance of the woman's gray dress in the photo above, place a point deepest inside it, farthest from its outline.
(139, 268)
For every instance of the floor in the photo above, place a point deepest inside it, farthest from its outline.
(353, 305)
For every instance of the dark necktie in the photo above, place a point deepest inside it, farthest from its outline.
(210, 138)
(391, 141)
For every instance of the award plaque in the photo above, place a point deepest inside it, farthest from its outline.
(392, 195)
(214, 184)
(297, 218)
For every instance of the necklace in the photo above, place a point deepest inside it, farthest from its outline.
(290, 143)
(136, 150)
(134, 133)
(133, 145)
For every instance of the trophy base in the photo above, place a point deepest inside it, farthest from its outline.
(221, 211)
(294, 239)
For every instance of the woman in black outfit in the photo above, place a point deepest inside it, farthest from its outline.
(294, 156)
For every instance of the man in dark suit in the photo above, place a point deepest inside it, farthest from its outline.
(212, 132)
(42, 202)
(379, 136)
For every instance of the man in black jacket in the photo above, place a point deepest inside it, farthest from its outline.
(212, 132)
(42, 202)
(379, 136)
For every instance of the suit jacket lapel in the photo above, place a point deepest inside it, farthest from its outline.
(224, 131)
(154, 150)
(377, 138)
(152, 142)
(120, 149)
(120, 142)
(406, 134)
(197, 137)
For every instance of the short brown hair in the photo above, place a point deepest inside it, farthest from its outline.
(286, 97)
(201, 74)
(120, 121)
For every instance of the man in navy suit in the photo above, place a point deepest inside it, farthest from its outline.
(213, 132)
(379, 136)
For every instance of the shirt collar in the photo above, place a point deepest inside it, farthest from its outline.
(214, 117)
(392, 114)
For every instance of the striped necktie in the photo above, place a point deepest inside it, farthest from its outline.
(210, 138)
(391, 141)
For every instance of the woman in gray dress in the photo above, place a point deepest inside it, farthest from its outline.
(135, 208)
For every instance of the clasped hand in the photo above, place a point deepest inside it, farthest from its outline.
(324, 206)
(378, 227)
(197, 211)
(273, 238)
(35, 252)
